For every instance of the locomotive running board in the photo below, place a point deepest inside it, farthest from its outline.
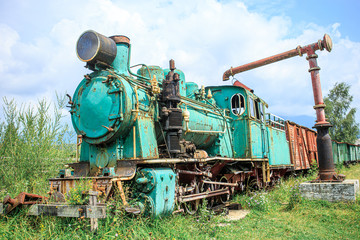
(187, 160)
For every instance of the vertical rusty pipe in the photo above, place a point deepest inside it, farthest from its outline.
(323, 140)
(316, 85)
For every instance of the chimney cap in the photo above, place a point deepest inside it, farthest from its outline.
(120, 39)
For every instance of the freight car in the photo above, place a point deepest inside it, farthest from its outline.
(345, 153)
(302, 144)
(172, 142)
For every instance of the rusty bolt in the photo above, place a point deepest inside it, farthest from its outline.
(87, 77)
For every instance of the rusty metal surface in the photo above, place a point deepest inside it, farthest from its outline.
(302, 144)
(275, 58)
(61, 186)
(120, 39)
(81, 169)
(125, 169)
(308, 49)
(22, 199)
(239, 84)
(194, 173)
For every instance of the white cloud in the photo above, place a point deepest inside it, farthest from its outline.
(8, 38)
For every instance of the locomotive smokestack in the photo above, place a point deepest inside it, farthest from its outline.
(121, 61)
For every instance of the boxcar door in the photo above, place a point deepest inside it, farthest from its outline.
(258, 138)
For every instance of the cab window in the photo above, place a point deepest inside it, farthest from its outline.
(238, 104)
(262, 115)
(256, 109)
(252, 110)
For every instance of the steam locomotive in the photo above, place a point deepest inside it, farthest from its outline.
(172, 142)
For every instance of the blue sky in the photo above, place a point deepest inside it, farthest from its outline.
(205, 37)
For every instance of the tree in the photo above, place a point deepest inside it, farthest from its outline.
(340, 114)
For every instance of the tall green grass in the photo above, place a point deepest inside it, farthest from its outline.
(34, 144)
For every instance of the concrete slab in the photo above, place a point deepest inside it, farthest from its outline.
(236, 214)
(331, 191)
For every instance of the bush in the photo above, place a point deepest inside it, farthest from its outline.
(34, 144)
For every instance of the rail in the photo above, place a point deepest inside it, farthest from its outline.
(275, 121)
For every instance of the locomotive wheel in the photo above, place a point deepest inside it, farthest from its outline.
(205, 187)
(222, 198)
(192, 207)
(252, 185)
(226, 197)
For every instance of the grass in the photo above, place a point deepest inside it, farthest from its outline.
(303, 220)
(277, 214)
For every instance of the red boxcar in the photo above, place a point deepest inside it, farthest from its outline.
(302, 144)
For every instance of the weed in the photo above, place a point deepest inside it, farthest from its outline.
(295, 197)
(258, 201)
(339, 166)
(79, 195)
(314, 168)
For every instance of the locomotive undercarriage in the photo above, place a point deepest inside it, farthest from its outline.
(213, 179)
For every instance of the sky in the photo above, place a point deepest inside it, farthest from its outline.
(204, 37)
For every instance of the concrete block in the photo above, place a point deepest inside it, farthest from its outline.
(331, 191)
